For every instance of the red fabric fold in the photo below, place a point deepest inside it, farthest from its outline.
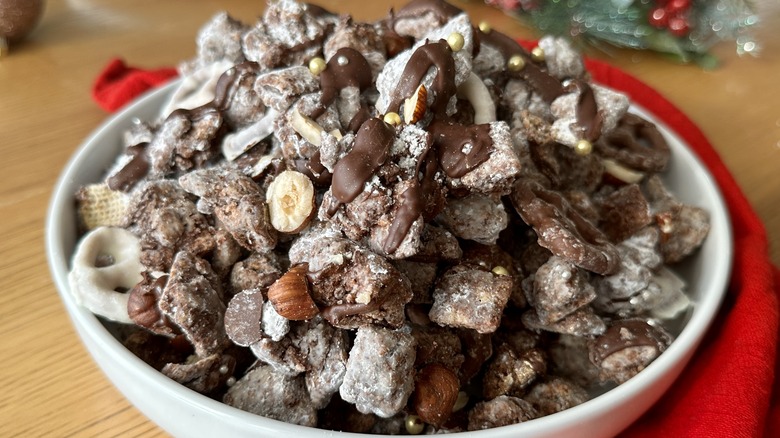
(119, 83)
(728, 389)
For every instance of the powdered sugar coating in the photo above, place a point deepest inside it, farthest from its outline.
(379, 371)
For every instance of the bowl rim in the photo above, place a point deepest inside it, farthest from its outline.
(680, 350)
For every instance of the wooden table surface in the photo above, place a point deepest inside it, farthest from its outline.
(50, 386)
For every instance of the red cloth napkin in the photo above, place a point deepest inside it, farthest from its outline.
(728, 389)
(119, 83)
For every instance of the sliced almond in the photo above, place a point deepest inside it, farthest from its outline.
(415, 106)
(290, 199)
(621, 172)
(310, 130)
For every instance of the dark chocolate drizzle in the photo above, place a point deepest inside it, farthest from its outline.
(433, 54)
(412, 202)
(229, 82)
(588, 116)
(135, 170)
(542, 82)
(451, 139)
(371, 148)
(363, 114)
(314, 169)
(356, 72)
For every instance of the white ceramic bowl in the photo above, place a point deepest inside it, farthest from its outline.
(183, 412)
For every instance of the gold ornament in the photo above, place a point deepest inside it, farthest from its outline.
(317, 65)
(456, 41)
(515, 63)
(392, 119)
(583, 147)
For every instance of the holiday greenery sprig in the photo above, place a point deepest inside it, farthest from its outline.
(683, 29)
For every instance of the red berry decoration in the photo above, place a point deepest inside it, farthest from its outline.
(658, 18)
(679, 26)
(675, 7)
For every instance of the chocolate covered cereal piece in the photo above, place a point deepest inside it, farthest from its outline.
(632, 289)
(569, 358)
(437, 345)
(219, 40)
(626, 348)
(289, 33)
(353, 285)
(562, 60)
(259, 270)
(475, 217)
(184, 141)
(362, 37)
(555, 394)
(283, 356)
(606, 107)
(422, 277)
(581, 322)
(380, 371)
(559, 288)
(566, 169)
(264, 392)
(325, 349)
(237, 201)
(204, 375)
(437, 244)
(280, 88)
(501, 411)
(469, 297)
(563, 230)
(510, 372)
(194, 301)
(683, 227)
(418, 17)
(167, 219)
(624, 212)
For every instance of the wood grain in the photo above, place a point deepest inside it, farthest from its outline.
(50, 386)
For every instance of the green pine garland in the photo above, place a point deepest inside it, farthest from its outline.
(627, 23)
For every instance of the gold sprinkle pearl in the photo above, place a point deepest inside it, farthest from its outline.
(484, 27)
(537, 54)
(500, 270)
(392, 119)
(414, 425)
(583, 147)
(317, 65)
(515, 63)
(456, 41)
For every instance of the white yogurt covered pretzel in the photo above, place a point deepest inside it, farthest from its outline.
(106, 262)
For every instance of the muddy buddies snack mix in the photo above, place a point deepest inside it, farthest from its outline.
(414, 225)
